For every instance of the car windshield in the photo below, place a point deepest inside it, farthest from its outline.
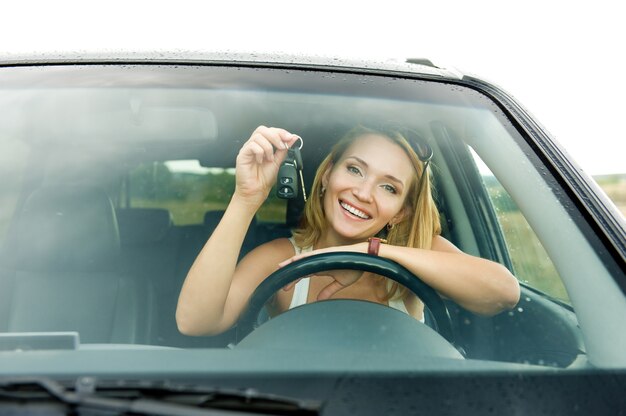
(115, 176)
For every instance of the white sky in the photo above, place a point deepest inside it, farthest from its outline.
(563, 60)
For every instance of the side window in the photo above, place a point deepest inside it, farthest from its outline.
(531, 263)
(188, 191)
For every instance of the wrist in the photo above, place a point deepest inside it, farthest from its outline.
(244, 207)
(374, 244)
(248, 203)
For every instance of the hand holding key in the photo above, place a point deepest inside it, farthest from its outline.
(258, 162)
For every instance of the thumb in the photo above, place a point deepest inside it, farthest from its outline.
(289, 140)
(330, 290)
(280, 155)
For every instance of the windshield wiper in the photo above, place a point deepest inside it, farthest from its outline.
(150, 397)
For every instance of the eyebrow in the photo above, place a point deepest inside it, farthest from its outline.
(390, 177)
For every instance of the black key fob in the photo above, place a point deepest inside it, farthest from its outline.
(287, 181)
(288, 173)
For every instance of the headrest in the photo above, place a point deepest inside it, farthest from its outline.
(212, 218)
(67, 228)
(143, 225)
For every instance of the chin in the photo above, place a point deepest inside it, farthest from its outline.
(354, 235)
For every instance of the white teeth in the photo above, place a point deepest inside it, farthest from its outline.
(354, 211)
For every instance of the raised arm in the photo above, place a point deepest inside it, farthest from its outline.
(209, 302)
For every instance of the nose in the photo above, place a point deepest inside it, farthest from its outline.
(363, 191)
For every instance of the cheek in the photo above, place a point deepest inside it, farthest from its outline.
(326, 202)
(390, 204)
(338, 183)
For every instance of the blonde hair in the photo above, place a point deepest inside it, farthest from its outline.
(420, 223)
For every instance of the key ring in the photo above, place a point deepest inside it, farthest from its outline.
(301, 142)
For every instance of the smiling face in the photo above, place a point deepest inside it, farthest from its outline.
(366, 189)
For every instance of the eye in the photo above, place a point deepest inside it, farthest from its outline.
(390, 188)
(354, 169)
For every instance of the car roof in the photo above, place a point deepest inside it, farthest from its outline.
(416, 66)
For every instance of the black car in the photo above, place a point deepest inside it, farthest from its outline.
(116, 169)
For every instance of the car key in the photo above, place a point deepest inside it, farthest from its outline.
(288, 174)
(287, 178)
(297, 157)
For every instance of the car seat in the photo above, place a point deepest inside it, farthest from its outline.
(66, 273)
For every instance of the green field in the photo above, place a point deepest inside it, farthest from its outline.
(192, 212)
(531, 263)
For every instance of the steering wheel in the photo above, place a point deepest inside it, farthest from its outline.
(345, 260)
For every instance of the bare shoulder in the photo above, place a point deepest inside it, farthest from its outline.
(250, 271)
(442, 244)
(281, 248)
(257, 265)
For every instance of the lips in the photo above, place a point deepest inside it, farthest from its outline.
(354, 211)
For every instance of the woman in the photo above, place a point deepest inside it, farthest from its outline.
(368, 184)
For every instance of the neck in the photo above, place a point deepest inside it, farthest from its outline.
(332, 239)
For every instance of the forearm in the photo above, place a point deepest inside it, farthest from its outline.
(205, 290)
(479, 285)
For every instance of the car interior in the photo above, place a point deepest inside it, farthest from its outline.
(82, 253)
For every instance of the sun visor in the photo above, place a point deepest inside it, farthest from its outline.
(70, 120)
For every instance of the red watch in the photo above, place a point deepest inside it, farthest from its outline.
(374, 245)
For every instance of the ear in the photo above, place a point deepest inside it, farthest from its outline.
(326, 175)
(400, 216)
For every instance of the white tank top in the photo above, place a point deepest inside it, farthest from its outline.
(301, 290)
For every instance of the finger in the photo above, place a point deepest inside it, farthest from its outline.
(281, 154)
(279, 138)
(255, 152)
(292, 259)
(249, 152)
(293, 139)
(287, 137)
(265, 144)
(284, 263)
(288, 261)
(330, 290)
